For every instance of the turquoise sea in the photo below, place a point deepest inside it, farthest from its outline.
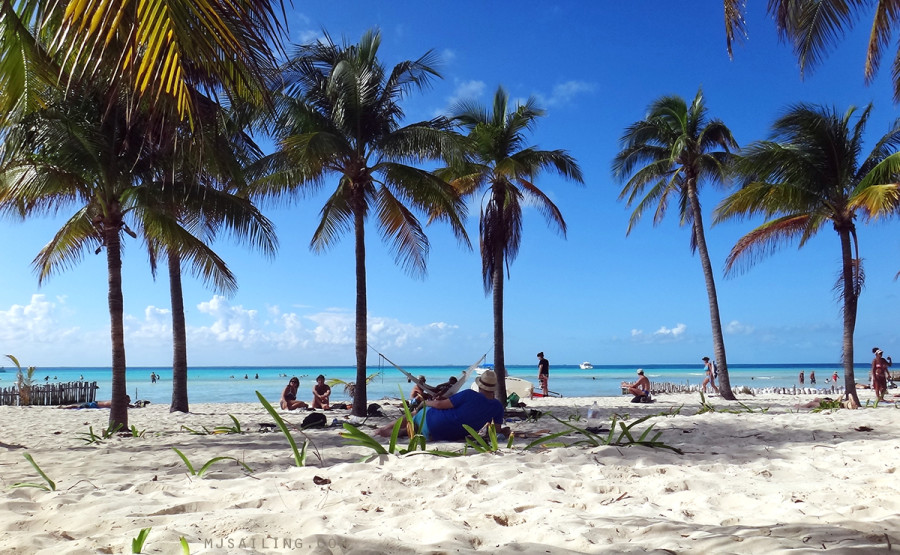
(238, 384)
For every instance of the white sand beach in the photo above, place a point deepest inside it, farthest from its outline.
(777, 479)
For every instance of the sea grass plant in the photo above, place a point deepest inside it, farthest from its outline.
(49, 486)
(137, 544)
(627, 435)
(299, 454)
(199, 473)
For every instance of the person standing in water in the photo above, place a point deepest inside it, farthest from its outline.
(544, 373)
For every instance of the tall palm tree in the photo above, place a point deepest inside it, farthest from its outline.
(504, 169)
(340, 115)
(809, 175)
(191, 199)
(161, 51)
(672, 152)
(813, 26)
(67, 155)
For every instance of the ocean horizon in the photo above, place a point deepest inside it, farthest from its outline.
(238, 384)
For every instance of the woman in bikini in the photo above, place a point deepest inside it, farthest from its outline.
(289, 396)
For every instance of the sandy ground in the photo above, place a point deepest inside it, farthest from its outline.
(773, 477)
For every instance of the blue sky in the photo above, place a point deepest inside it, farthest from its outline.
(594, 295)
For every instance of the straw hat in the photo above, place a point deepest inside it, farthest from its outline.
(487, 381)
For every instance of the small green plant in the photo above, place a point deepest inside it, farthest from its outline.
(706, 406)
(24, 381)
(206, 431)
(137, 544)
(185, 548)
(49, 486)
(829, 405)
(626, 436)
(478, 443)
(299, 454)
(417, 441)
(90, 437)
(135, 432)
(236, 429)
(209, 463)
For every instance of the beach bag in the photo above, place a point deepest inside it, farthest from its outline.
(715, 370)
(374, 410)
(512, 400)
(314, 420)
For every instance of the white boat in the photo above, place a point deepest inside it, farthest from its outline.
(586, 365)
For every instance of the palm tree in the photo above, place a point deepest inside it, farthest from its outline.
(672, 152)
(504, 168)
(340, 115)
(813, 26)
(66, 155)
(184, 209)
(160, 51)
(806, 176)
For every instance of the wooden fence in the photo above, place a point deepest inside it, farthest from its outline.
(666, 387)
(70, 393)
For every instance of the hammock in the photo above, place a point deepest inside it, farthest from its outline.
(432, 390)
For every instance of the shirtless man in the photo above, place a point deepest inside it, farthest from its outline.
(321, 394)
(640, 388)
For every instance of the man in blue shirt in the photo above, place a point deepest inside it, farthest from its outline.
(443, 419)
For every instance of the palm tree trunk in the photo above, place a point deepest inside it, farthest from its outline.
(118, 412)
(850, 303)
(714, 319)
(360, 401)
(179, 337)
(499, 358)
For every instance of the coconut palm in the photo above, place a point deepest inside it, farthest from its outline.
(67, 156)
(187, 205)
(340, 116)
(813, 26)
(809, 175)
(160, 51)
(503, 168)
(671, 153)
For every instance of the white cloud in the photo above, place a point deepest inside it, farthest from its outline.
(677, 331)
(736, 328)
(35, 322)
(466, 90)
(637, 333)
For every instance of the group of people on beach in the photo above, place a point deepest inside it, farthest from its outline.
(321, 395)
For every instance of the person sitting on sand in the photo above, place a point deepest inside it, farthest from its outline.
(289, 396)
(640, 388)
(96, 404)
(443, 419)
(321, 394)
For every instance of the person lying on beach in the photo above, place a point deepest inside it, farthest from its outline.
(96, 404)
(441, 389)
(289, 396)
(418, 395)
(443, 419)
(321, 394)
(640, 388)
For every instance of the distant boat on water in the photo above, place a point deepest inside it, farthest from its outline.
(586, 365)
